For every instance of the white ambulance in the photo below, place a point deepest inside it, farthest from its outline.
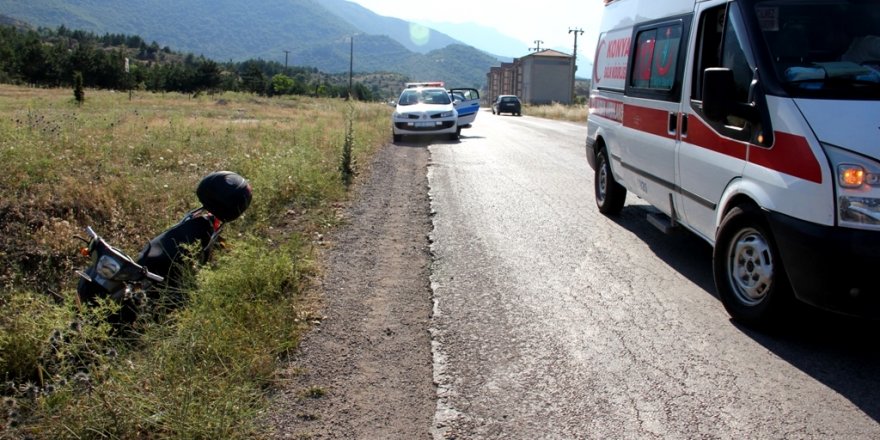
(755, 124)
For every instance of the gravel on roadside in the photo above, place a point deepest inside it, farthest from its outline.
(366, 371)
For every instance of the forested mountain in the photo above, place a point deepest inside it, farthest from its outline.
(46, 57)
(413, 37)
(315, 33)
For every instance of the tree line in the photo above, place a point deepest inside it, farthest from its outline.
(53, 57)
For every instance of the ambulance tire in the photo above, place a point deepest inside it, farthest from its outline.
(610, 195)
(749, 275)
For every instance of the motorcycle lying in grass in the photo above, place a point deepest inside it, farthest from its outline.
(157, 272)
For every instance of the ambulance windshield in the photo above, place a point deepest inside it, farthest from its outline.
(823, 48)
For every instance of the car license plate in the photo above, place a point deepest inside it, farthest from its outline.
(424, 124)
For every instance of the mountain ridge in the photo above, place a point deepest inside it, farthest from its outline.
(308, 32)
(399, 30)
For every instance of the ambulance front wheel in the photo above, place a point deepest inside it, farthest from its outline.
(749, 275)
(610, 195)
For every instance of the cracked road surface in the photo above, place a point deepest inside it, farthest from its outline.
(554, 321)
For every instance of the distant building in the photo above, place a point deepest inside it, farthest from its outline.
(543, 77)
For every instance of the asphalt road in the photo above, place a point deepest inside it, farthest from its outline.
(554, 321)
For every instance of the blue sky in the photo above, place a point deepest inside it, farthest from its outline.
(545, 20)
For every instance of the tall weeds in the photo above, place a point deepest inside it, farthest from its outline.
(346, 166)
(573, 113)
(129, 169)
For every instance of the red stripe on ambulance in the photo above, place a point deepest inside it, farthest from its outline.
(790, 154)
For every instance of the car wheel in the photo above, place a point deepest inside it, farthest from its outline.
(749, 274)
(455, 136)
(397, 138)
(610, 195)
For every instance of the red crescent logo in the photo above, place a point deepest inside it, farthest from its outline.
(663, 70)
(596, 64)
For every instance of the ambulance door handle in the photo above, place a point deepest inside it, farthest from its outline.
(684, 125)
(673, 123)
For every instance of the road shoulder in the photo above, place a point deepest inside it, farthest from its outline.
(366, 370)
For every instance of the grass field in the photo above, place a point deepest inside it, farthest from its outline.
(128, 168)
(573, 113)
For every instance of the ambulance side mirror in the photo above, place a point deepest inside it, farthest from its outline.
(718, 87)
(719, 100)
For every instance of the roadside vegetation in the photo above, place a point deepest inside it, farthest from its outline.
(128, 167)
(560, 112)
(55, 57)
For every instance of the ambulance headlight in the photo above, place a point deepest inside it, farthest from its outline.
(857, 184)
(859, 210)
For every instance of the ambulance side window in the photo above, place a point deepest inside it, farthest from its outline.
(720, 44)
(733, 57)
(656, 59)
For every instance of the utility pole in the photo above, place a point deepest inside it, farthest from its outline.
(537, 47)
(574, 57)
(285, 60)
(351, 67)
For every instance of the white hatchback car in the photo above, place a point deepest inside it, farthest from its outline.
(425, 111)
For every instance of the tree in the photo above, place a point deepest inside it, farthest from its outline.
(253, 80)
(208, 76)
(180, 78)
(282, 84)
(83, 60)
(8, 62)
(134, 42)
(33, 60)
(362, 93)
(78, 93)
(58, 71)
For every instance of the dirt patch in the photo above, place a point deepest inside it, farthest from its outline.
(366, 371)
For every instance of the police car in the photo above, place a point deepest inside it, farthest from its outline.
(425, 110)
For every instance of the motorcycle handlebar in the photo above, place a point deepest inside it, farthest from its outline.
(125, 258)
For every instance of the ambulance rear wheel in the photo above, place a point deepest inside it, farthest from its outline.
(610, 195)
(749, 275)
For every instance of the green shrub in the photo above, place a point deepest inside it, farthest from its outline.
(79, 93)
(29, 324)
